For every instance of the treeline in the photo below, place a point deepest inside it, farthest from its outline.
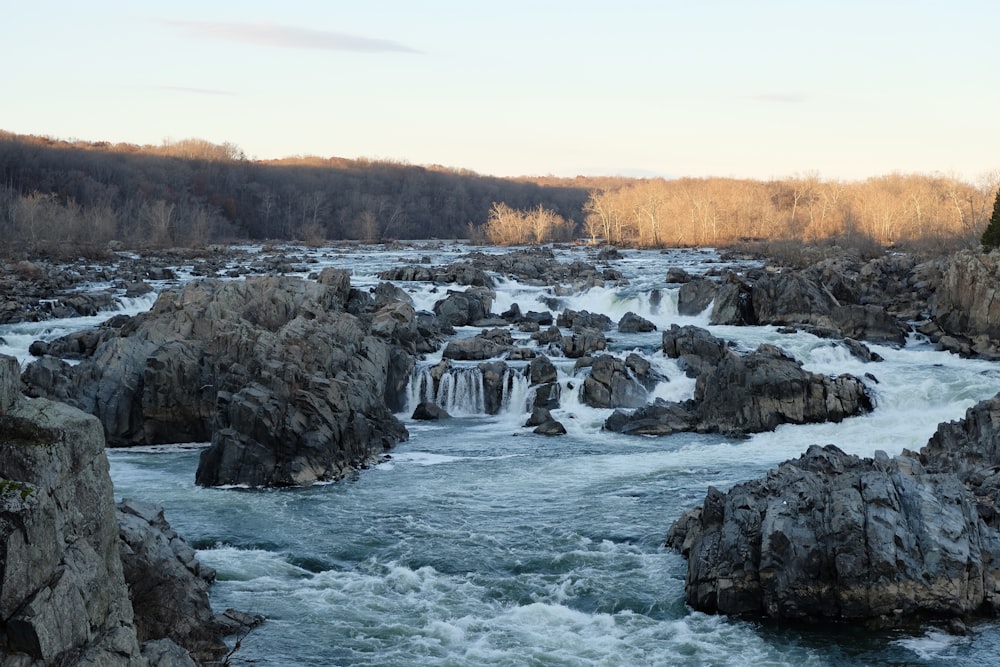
(897, 209)
(56, 194)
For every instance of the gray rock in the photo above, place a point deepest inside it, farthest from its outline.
(632, 323)
(428, 411)
(551, 427)
(611, 385)
(831, 536)
(167, 584)
(695, 348)
(541, 370)
(62, 593)
(696, 296)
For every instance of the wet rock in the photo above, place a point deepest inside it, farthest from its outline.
(584, 320)
(460, 309)
(696, 296)
(695, 348)
(541, 370)
(677, 275)
(582, 343)
(611, 385)
(429, 411)
(551, 427)
(632, 323)
(830, 536)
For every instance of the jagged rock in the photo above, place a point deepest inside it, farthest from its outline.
(428, 411)
(964, 304)
(584, 320)
(167, 584)
(550, 335)
(733, 303)
(970, 449)
(642, 370)
(62, 593)
(474, 348)
(695, 348)
(497, 379)
(289, 387)
(678, 275)
(547, 395)
(542, 370)
(542, 319)
(766, 388)
(632, 323)
(460, 309)
(860, 351)
(696, 296)
(658, 418)
(610, 385)
(737, 395)
(582, 343)
(832, 536)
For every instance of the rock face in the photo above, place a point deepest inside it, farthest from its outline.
(289, 386)
(741, 394)
(611, 385)
(832, 536)
(964, 306)
(169, 587)
(63, 594)
(970, 449)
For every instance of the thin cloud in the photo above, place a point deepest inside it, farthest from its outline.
(196, 91)
(781, 98)
(287, 37)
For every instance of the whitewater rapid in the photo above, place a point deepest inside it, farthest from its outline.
(480, 543)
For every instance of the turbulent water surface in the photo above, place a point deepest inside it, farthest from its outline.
(480, 543)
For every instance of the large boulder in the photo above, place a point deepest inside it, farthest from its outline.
(632, 323)
(830, 536)
(460, 309)
(289, 386)
(964, 305)
(766, 388)
(741, 394)
(695, 348)
(611, 385)
(696, 296)
(970, 449)
(64, 598)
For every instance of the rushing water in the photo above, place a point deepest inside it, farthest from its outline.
(480, 543)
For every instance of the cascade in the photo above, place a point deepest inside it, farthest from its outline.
(462, 391)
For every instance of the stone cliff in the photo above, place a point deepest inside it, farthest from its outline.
(65, 598)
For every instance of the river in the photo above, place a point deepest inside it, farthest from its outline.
(480, 543)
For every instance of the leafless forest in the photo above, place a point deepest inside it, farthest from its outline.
(59, 197)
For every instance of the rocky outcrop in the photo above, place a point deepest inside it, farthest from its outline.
(610, 385)
(833, 536)
(63, 593)
(461, 309)
(289, 386)
(695, 348)
(970, 449)
(741, 394)
(169, 587)
(965, 306)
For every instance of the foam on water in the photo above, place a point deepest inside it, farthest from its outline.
(480, 543)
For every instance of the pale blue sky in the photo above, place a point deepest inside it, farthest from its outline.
(772, 88)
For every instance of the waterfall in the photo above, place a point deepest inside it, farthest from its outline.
(515, 390)
(462, 391)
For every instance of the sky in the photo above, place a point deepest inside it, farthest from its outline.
(844, 89)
